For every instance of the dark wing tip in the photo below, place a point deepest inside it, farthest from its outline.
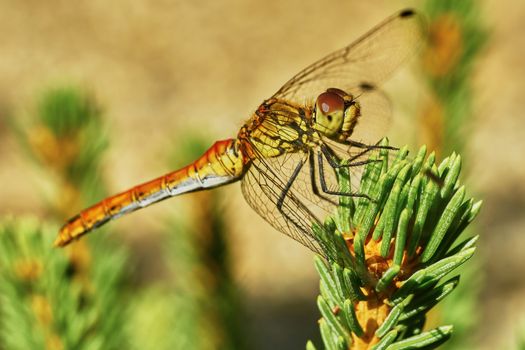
(407, 13)
(366, 86)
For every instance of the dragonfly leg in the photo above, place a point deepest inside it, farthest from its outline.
(334, 163)
(324, 186)
(313, 181)
(365, 146)
(288, 185)
(282, 197)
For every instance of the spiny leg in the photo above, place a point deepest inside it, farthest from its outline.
(324, 186)
(366, 148)
(364, 145)
(333, 161)
(285, 190)
(313, 182)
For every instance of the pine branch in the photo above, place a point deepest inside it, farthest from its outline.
(387, 256)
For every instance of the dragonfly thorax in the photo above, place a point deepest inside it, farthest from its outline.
(335, 114)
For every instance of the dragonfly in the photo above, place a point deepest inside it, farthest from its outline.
(329, 115)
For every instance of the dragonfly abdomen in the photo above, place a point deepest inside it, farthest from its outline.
(220, 164)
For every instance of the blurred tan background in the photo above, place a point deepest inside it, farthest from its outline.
(165, 68)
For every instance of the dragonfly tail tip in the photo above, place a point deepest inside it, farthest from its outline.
(59, 242)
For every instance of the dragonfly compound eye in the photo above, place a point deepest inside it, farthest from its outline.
(329, 113)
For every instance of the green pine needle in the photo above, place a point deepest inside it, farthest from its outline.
(402, 243)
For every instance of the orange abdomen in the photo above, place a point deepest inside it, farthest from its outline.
(220, 164)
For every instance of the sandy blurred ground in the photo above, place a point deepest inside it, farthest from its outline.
(165, 68)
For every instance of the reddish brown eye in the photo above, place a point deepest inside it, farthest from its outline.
(329, 102)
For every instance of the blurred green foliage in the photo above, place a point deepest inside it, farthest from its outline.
(66, 137)
(77, 296)
(46, 303)
(457, 37)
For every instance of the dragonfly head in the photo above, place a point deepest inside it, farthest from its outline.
(336, 114)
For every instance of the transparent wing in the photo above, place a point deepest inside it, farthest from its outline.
(262, 188)
(307, 185)
(376, 116)
(368, 61)
(290, 200)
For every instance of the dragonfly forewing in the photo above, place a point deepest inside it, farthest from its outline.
(368, 61)
(268, 195)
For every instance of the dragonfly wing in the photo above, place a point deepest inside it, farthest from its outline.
(368, 61)
(375, 118)
(263, 186)
(307, 185)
